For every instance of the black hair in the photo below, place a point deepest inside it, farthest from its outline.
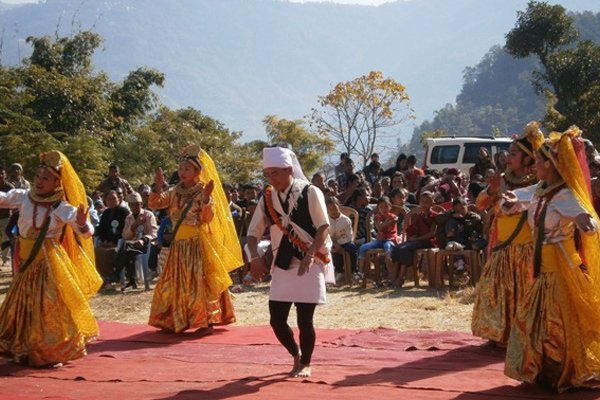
(384, 199)
(352, 178)
(332, 200)
(459, 200)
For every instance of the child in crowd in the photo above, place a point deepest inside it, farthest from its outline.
(387, 231)
(340, 230)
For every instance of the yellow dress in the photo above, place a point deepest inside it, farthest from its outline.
(45, 318)
(192, 291)
(505, 277)
(555, 338)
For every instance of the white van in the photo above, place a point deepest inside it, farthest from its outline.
(460, 151)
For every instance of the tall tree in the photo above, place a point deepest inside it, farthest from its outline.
(570, 78)
(310, 148)
(359, 113)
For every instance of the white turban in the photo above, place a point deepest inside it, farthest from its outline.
(279, 157)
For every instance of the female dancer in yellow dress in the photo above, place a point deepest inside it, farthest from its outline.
(45, 318)
(192, 292)
(507, 273)
(555, 340)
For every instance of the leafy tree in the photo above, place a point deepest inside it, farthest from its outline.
(157, 144)
(310, 148)
(570, 78)
(540, 30)
(358, 113)
(133, 99)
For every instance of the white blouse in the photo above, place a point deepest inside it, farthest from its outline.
(65, 213)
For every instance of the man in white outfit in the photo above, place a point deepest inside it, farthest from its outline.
(296, 214)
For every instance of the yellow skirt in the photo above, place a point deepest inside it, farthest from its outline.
(45, 318)
(555, 340)
(191, 292)
(505, 278)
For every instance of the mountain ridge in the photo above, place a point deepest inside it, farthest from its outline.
(238, 61)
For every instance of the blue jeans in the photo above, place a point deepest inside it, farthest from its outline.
(386, 245)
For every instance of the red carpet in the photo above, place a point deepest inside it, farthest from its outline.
(138, 362)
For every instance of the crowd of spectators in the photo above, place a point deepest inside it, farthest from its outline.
(397, 210)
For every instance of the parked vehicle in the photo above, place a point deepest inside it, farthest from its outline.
(460, 151)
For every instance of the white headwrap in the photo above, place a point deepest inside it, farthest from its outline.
(279, 157)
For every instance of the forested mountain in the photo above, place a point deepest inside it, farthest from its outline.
(497, 97)
(240, 60)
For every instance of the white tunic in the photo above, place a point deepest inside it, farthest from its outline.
(65, 213)
(286, 285)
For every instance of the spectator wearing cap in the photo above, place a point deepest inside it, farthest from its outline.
(139, 230)
(114, 181)
(15, 177)
(144, 191)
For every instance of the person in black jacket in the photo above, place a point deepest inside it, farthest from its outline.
(112, 221)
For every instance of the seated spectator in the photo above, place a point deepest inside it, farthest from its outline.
(420, 234)
(159, 249)
(385, 185)
(398, 198)
(387, 233)
(340, 169)
(318, 180)
(483, 163)
(400, 166)
(139, 230)
(464, 230)
(412, 173)
(450, 187)
(334, 186)
(144, 191)
(376, 190)
(501, 160)
(112, 221)
(360, 202)
(348, 171)
(352, 184)
(373, 171)
(249, 192)
(340, 230)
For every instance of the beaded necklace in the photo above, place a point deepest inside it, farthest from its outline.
(46, 202)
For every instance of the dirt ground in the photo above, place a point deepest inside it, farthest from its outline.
(409, 308)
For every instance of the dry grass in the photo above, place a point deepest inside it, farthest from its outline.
(405, 309)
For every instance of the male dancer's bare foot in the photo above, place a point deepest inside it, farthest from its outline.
(296, 366)
(303, 371)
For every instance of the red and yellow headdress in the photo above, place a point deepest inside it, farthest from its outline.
(534, 136)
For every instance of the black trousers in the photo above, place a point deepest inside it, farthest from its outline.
(126, 259)
(279, 311)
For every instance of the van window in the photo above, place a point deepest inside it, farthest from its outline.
(502, 146)
(471, 154)
(444, 154)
